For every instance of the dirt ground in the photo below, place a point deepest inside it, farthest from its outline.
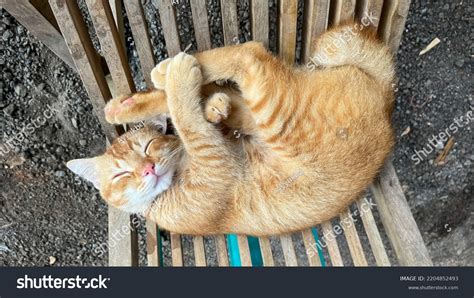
(47, 215)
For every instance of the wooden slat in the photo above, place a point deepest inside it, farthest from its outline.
(201, 25)
(221, 246)
(266, 250)
(176, 251)
(244, 251)
(111, 45)
(353, 241)
(347, 10)
(310, 245)
(88, 62)
(141, 38)
(388, 16)
(316, 16)
(114, 53)
(398, 220)
(199, 251)
(260, 21)
(398, 24)
(230, 24)
(287, 29)
(45, 9)
(288, 251)
(370, 12)
(25, 13)
(330, 241)
(170, 27)
(373, 234)
(116, 8)
(152, 247)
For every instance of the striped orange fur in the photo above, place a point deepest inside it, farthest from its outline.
(290, 149)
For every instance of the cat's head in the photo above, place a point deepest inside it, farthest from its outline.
(135, 169)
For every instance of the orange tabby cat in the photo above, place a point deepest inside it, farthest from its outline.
(309, 142)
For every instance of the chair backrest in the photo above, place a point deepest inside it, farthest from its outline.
(321, 245)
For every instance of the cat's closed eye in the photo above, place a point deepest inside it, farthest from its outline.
(148, 146)
(120, 175)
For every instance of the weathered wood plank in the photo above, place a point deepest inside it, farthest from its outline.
(170, 27)
(288, 251)
(347, 10)
(111, 45)
(398, 24)
(398, 220)
(116, 8)
(266, 250)
(370, 12)
(25, 13)
(222, 256)
(141, 38)
(310, 245)
(381, 257)
(245, 259)
(330, 242)
(388, 15)
(260, 21)
(199, 251)
(353, 241)
(43, 7)
(230, 24)
(316, 17)
(201, 25)
(176, 251)
(287, 29)
(152, 247)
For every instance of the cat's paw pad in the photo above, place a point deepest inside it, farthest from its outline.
(184, 72)
(158, 74)
(116, 106)
(217, 108)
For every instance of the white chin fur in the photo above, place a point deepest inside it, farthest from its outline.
(140, 201)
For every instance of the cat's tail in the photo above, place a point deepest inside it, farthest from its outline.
(357, 45)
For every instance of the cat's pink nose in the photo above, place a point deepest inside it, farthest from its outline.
(149, 169)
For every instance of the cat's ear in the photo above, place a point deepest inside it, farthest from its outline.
(159, 122)
(86, 168)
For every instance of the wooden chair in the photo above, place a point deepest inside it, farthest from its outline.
(399, 226)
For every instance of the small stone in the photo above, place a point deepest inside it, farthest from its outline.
(59, 174)
(446, 6)
(59, 150)
(41, 86)
(459, 63)
(74, 122)
(20, 90)
(52, 260)
(7, 35)
(10, 109)
(82, 142)
(439, 145)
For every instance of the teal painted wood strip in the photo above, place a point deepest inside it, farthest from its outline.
(234, 253)
(255, 252)
(318, 247)
(160, 247)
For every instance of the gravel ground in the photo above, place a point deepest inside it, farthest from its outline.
(48, 216)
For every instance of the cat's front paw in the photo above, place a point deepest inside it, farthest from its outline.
(184, 75)
(116, 109)
(158, 74)
(217, 108)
